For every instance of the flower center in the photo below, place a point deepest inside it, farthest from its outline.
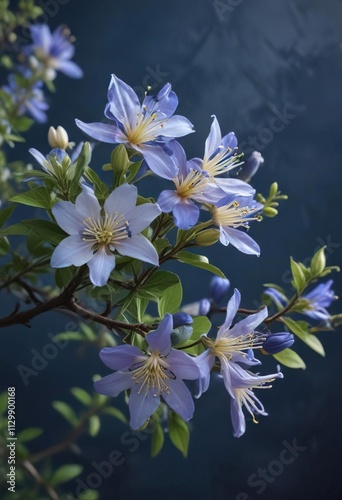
(147, 128)
(106, 230)
(153, 374)
(220, 163)
(226, 347)
(233, 215)
(194, 183)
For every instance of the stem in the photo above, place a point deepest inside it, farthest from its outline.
(24, 271)
(30, 468)
(283, 311)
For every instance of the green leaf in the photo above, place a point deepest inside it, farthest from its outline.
(171, 299)
(66, 411)
(38, 197)
(4, 246)
(318, 262)
(114, 412)
(157, 439)
(82, 395)
(48, 231)
(301, 330)
(156, 284)
(29, 434)
(290, 358)
(179, 433)
(15, 230)
(101, 190)
(299, 280)
(64, 275)
(65, 473)
(5, 214)
(89, 495)
(94, 425)
(198, 261)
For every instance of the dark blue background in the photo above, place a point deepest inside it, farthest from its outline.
(244, 64)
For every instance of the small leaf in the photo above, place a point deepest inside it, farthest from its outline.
(179, 433)
(318, 262)
(4, 246)
(48, 231)
(157, 439)
(171, 299)
(199, 261)
(299, 279)
(114, 412)
(290, 358)
(66, 411)
(5, 214)
(65, 473)
(94, 425)
(38, 197)
(89, 495)
(301, 330)
(82, 395)
(29, 434)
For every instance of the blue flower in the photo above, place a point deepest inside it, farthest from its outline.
(318, 300)
(30, 101)
(146, 128)
(52, 51)
(150, 376)
(232, 213)
(192, 184)
(219, 158)
(95, 234)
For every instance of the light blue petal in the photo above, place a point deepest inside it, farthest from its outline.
(205, 362)
(229, 141)
(41, 36)
(100, 131)
(141, 405)
(232, 307)
(69, 68)
(158, 161)
(182, 365)
(123, 102)
(167, 200)
(121, 200)
(226, 375)
(177, 126)
(138, 247)
(235, 187)
(240, 240)
(87, 204)
(67, 217)
(120, 357)
(160, 340)
(72, 251)
(141, 216)
(213, 140)
(238, 418)
(113, 384)
(248, 324)
(186, 214)
(100, 267)
(39, 157)
(179, 399)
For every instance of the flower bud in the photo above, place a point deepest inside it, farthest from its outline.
(218, 287)
(199, 308)
(277, 342)
(251, 166)
(58, 138)
(270, 211)
(207, 237)
(181, 318)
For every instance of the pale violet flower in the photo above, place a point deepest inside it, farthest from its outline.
(192, 184)
(232, 213)
(45, 161)
(30, 101)
(95, 233)
(146, 127)
(150, 376)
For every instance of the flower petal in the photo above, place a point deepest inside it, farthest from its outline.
(120, 357)
(67, 217)
(205, 363)
(232, 308)
(121, 200)
(214, 138)
(100, 267)
(123, 102)
(239, 240)
(177, 126)
(167, 200)
(235, 187)
(113, 384)
(141, 216)
(182, 365)
(103, 132)
(141, 405)
(248, 324)
(186, 214)
(72, 251)
(138, 247)
(87, 205)
(238, 418)
(69, 68)
(229, 141)
(158, 160)
(160, 340)
(39, 157)
(179, 399)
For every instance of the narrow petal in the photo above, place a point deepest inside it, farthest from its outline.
(39, 157)
(100, 131)
(100, 267)
(177, 126)
(214, 138)
(141, 216)
(226, 375)
(120, 357)
(160, 339)
(179, 399)
(67, 217)
(232, 308)
(123, 102)
(69, 68)
(141, 405)
(205, 362)
(87, 204)
(241, 241)
(158, 160)
(248, 324)
(113, 384)
(72, 251)
(235, 187)
(121, 200)
(229, 141)
(165, 102)
(186, 214)
(138, 247)
(182, 365)
(167, 200)
(238, 418)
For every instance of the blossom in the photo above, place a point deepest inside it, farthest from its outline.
(219, 158)
(150, 376)
(52, 51)
(231, 213)
(46, 161)
(95, 234)
(145, 128)
(192, 184)
(30, 101)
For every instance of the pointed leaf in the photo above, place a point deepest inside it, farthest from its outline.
(290, 358)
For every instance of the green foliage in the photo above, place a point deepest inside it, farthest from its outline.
(301, 330)
(179, 433)
(198, 261)
(65, 473)
(157, 440)
(272, 201)
(290, 358)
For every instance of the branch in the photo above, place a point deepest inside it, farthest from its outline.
(38, 478)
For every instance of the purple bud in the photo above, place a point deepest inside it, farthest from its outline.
(218, 287)
(277, 342)
(204, 307)
(58, 154)
(181, 318)
(251, 166)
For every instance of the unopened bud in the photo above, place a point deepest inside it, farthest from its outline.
(181, 318)
(251, 166)
(119, 159)
(277, 342)
(207, 238)
(270, 211)
(58, 138)
(218, 287)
